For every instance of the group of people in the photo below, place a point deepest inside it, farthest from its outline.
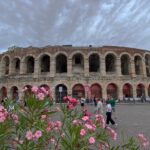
(110, 108)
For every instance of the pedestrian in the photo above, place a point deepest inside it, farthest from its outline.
(95, 102)
(82, 102)
(109, 114)
(99, 107)
(112, 102)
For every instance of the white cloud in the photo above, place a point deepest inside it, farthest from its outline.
(105, 22)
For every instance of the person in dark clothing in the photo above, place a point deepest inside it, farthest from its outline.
(109, 114)
(95, 101)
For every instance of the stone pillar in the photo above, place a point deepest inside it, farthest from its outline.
(132, 68)
(53, 94)
(146, 91)
(103, 67)
(9, 93)
(11, 68)
(144, 68)
(118, 67)
(134, 91)
(104, 92)
(1, 68)
(53, 67)
(69, 67)
(22, 67)
(69, 92)
(36, 68)
(86, 67)
(120, 92)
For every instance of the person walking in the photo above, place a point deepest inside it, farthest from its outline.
(109, 114)
(99, 107)
(95, 101)
(112, 102)
(82, 102)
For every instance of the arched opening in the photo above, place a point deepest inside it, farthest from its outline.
(138, 65)
(96, 90)
(14, 93)
(78, 91)
(94, 63)
(29, 64)
(149, 90)
(125, 65)
(3, 93)
(60, 92)
(110, 61)
(16, 66)
(45, 63)
(61, 63)
(5, 65)
(140, 90)
(147, 64)
(127, 90)
(112, 90)
(78, 63)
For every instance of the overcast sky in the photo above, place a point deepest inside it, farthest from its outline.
(78, 22)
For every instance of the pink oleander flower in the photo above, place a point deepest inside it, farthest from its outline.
(3, 114)
(41, 96)
(91, 140)
(29, 135)
(82, 132)
(143, 141)
(1, 108)
(58, 124)
(48, 129)
(15, 118)
(35, 89)
(53, 141)
(73, 101)
(70, 106)
(44, 90)
(100, 119)
(85, 118)
(37, 134)
(90, 127)
(57, 109)
(111, 133)
(43, 117)
(2, 119)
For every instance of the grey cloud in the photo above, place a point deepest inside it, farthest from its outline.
(77, 22)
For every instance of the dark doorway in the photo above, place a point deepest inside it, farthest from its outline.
(60, 92)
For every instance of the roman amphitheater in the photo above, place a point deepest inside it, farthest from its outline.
(67, 70)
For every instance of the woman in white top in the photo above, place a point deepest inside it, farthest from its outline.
(108, 115)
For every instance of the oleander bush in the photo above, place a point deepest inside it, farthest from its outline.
(34, 126)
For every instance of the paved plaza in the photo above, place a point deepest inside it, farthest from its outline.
(131, 119)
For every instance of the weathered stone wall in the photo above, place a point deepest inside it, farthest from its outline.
(69, 79)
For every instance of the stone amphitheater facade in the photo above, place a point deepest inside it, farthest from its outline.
(88, 71)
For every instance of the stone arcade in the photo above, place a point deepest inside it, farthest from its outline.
(118, 71)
